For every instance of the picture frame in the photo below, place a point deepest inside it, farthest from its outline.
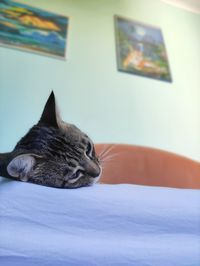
(32, 29)
(141, 49)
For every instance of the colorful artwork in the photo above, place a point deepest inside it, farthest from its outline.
(32, 29)
(141, 50)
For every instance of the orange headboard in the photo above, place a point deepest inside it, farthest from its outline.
(146, 166)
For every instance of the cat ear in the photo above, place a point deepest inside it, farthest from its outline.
(49, 116)
(20, 166)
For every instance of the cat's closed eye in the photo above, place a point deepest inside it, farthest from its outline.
(89, 150)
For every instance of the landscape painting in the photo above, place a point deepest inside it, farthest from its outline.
(141, 50)
(32, 29)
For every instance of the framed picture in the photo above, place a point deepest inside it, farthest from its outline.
(32, 29)
(141, 49)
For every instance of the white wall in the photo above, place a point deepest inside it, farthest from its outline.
(109, 105)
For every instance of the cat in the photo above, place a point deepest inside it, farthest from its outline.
(53, 153)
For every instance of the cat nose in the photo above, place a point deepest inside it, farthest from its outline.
(92, 169)
(96, 172)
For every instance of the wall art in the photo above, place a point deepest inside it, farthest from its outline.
(141, 49)
(33, 29)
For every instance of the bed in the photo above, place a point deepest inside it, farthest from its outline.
(114, 222)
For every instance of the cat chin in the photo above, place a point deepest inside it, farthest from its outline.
(74, 180)
(94, 180)
(24, 179)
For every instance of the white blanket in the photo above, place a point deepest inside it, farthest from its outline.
(99, 225)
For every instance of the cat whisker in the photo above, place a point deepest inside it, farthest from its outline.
(105, 147)
(106, 151)
(109, 157)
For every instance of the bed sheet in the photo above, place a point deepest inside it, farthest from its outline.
(99, 225)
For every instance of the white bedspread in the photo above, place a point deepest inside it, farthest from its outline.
(98, 225)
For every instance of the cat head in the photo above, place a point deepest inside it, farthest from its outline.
(53, 153)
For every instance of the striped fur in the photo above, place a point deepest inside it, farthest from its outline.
(62, 155)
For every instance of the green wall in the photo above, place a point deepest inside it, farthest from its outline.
(109, 105)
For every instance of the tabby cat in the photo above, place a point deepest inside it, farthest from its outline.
(53, 153)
